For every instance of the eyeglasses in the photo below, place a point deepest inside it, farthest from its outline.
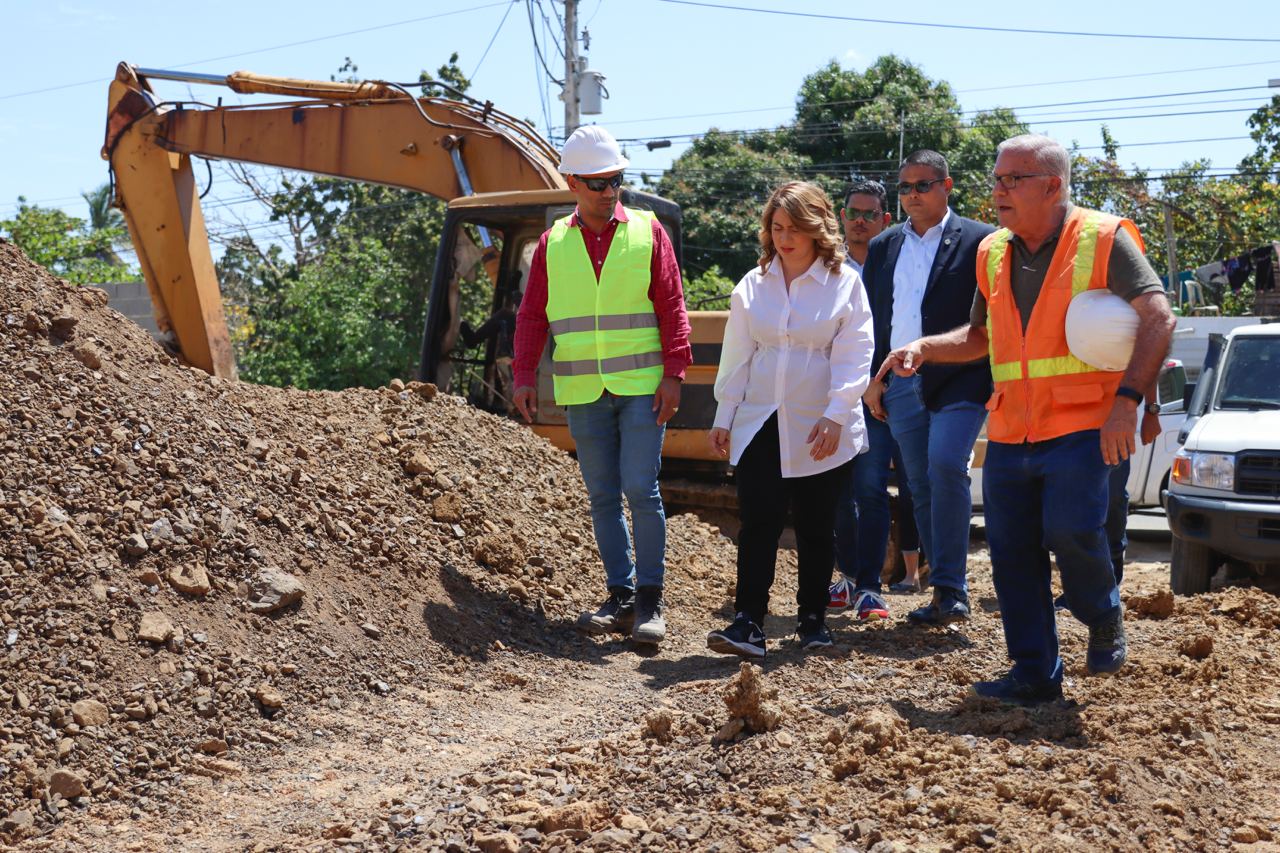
(597, 185)
(1010, 182)
(869, 216)
(920, 187)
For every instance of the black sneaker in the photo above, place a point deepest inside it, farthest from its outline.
(650, 627)
(617, 614)
(1060, 603)
(811, 632)
(948, 605)
(1108, 647)
(743, 638)
(1015, 692)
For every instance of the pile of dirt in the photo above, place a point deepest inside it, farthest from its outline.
(189, 564)
(246, 618)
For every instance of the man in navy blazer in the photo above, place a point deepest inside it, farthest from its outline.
(920, 278)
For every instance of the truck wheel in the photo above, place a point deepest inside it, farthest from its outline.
(1190, 567)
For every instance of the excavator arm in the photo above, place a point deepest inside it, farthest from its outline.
(371, 131)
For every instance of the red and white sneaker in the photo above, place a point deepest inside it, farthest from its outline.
(870, 606)
(840, 593)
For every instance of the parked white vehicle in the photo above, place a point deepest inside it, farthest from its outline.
(1150, 465)
(1224, 496)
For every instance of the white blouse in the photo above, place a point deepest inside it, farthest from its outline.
(804, 353)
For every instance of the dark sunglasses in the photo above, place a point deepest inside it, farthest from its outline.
(597, 185)
(868, 216)
(920, 187)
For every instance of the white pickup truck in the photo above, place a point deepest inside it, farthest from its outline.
(1224, 497)
(1149, 467)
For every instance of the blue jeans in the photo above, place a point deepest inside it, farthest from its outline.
(1118, 517)
(935, 451)
(1040, 497)
(619, 453)
(862, 515)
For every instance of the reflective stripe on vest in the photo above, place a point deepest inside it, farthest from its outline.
(605, 331)
(1039, 368)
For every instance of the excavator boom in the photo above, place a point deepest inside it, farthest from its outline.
(372, 131)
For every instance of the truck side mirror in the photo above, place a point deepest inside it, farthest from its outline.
(1188, 391)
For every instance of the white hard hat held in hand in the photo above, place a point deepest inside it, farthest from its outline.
(1101, 328)
(591, 150)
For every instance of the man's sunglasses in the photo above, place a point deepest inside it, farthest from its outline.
(868, 216)
(597, 185)
(920, 187)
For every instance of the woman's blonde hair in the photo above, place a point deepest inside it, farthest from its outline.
(811, 211)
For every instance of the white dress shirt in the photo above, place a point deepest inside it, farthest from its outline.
(910, 275)
(804, 352)
(851, 263)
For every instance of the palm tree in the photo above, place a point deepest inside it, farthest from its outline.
(104, 217)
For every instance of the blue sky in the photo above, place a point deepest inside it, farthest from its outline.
(671, 68)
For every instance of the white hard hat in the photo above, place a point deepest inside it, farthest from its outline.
(1101, 328)
(591, 150)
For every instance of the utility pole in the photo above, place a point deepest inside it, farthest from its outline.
(1171, 246)
(570, 94)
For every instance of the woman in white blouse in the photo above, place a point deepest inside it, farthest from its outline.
(796, 359)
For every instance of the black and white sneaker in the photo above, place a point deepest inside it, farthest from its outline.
(812, 633)
(616, 614)
(743, 638)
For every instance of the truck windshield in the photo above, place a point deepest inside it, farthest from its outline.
(1251, 374)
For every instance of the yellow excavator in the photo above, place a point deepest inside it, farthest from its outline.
(496, 172)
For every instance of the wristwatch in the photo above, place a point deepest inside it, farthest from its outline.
(1129, 393)
(1151, 408)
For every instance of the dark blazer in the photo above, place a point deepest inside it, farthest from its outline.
(948, 297)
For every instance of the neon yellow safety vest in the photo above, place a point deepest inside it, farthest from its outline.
(605, 333)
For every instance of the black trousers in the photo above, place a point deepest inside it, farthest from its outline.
(764, 497)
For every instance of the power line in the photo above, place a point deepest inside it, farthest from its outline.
(970, 27)
(851, 101)
(1110, 77)
(537, 49)
(494, 37)
(815, 133)
(101, 80)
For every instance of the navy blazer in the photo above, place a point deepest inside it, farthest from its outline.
(948, 298)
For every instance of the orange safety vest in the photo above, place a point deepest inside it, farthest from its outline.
(1042, 391)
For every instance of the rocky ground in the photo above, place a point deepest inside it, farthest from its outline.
(244, 618)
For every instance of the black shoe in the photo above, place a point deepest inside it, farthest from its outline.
(650, 627)
(1108, 647)
(743, 638)
(1015, 692)
(616, 614)
(1060, 603)
(811, 632)
(948, 605)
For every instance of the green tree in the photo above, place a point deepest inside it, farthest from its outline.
(721, 184)
(357, 248)
(855, 121)
(337, 322)
(1263, 165)
(103, 216)
(65, 245)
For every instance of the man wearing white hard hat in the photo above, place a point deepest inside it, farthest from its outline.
(1070, 364)
(605, 284)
